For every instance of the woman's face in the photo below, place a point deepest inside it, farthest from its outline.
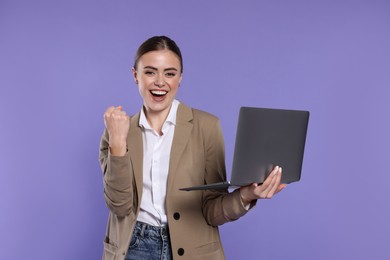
(158, 77)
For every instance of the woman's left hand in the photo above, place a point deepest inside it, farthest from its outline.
(266, 190)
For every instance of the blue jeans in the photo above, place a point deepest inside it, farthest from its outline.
(149, 242)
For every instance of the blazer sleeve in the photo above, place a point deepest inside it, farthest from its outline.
(219, 206)
(117, 179)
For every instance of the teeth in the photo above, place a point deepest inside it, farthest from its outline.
(158, 92)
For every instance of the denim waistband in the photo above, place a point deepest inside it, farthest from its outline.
(142, 229)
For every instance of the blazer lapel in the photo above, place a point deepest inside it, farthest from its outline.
(135, 148)
(182, 134)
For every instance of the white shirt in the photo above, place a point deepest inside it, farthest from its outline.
(157, 151)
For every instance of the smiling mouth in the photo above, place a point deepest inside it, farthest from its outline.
(158, 93)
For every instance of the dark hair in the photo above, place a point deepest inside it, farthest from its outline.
(158, 43)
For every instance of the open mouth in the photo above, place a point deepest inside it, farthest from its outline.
(158, 93)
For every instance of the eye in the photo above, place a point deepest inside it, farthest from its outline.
(149, 73)
(170, 74)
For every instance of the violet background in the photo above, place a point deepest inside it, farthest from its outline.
(63, 62)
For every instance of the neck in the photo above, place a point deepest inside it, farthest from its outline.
(156, 119)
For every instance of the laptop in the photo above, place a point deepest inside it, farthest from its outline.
(265, 138)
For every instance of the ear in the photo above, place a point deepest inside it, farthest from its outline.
(181, 77)
(134, 71)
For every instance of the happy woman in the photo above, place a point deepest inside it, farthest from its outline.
(147, 157)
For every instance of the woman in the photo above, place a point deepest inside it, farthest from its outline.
(147, 157)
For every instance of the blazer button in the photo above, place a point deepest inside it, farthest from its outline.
(176, 216)
(180, 251)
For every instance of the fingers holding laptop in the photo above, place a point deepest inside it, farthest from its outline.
(271, 185)
(267, 190)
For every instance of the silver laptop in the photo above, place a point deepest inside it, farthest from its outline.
(265, 138)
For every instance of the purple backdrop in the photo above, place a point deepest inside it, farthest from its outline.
(63, 62)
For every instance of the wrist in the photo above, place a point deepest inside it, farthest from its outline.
(118, 150)
(245, 201)
(117, 141)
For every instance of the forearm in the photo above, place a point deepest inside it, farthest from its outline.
(225, 208)
(117, 180)
(220, 206)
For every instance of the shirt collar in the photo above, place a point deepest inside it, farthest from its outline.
(171, 118)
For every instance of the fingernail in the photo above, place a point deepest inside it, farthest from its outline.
(276, 170)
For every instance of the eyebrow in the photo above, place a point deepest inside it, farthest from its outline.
(153, 68)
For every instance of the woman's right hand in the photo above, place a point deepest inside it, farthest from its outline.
(117, 123)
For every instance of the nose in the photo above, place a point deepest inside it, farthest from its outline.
(160, 82)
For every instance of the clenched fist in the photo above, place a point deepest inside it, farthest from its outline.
(117, 123)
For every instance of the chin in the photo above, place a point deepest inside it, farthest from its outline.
(158, 107)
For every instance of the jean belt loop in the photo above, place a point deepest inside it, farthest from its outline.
(143, 229)
(165, 231)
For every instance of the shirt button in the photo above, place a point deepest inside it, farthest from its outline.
(180, 251)
(176, 216)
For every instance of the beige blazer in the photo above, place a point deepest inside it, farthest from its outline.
(197, 157)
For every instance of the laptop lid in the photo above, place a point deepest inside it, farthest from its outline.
(265, 138)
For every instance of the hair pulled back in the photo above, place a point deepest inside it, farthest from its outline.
(158, 43)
